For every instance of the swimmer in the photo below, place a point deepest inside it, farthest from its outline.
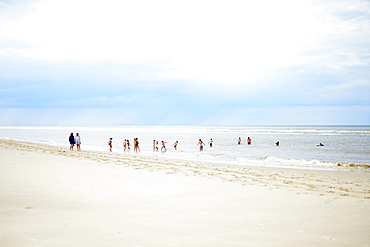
(320, 144)
(175, 145)
(136, 145)
(124, 145)
(278, 143)
(110, 144)
(210, 142)
(201, 144)
(239, 141)
(128, 144)
(249, 141)
(163, 146)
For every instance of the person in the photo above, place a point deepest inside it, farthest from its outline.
(136, 145)
(153, 145)
(201, 144)
(110, 144)
(71, 142)
(128, 144)
(210, 142)
(156, 146)
(239, 141)
(78, 141)
(124, 145)
(163, 146)
(249, 141)
(278, 143)
(175, 144)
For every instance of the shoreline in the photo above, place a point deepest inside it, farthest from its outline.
(53, 197)
(340, 181)
(283, 161)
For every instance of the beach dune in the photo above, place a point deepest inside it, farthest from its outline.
(50, 196)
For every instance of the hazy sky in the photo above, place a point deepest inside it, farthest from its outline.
(203, 62)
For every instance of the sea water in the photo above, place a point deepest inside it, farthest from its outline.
(345, 147)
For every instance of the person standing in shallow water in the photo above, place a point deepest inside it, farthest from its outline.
(163, 148)
(239, 141)
(128, 145)
(124, 145)
(110, 144)
(136, 145)
(71, 142)
(175, 145)
(201, 144)
(210, 143)
(78, 141)
(249, 141)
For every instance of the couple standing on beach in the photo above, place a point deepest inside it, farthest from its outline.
(75, 140)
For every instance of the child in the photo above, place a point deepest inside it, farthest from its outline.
(163, 146)
(210, 143)
(110, 144)
(175, 144)
(128, 144)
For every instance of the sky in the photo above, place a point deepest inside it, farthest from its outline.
(203, 62)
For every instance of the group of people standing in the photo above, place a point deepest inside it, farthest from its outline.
(126, 145)
(163, 147)
(75, 140)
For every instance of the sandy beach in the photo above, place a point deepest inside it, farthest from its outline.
(50, 196)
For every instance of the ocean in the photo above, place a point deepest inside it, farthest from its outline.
(345, 147)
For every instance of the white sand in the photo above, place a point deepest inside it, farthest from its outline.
(50, 196)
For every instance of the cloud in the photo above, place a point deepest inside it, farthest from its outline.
(195, 40)
(185, 61)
